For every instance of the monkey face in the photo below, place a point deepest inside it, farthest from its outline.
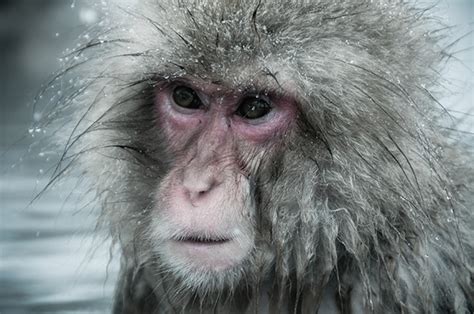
(205, 210)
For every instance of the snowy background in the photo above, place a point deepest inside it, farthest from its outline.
(50, 259)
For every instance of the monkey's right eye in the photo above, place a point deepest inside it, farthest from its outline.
(186, 97)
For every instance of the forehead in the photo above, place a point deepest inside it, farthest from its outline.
(227, 42)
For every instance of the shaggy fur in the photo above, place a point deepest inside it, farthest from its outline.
(367, 209)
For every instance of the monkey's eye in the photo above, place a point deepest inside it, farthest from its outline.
(253, 108)
(186, 97)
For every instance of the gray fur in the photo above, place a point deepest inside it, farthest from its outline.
(369, 203)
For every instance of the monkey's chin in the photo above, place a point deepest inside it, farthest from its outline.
(204, 266)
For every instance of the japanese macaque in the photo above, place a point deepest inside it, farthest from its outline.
(272, 157)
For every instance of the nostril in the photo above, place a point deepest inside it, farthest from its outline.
(197, 195)
(198, 185)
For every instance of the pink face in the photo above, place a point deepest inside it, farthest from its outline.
(218, 136)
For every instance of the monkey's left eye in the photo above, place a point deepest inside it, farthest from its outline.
(186, 97)
(253, 108)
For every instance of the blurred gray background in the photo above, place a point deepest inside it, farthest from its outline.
(50, 260)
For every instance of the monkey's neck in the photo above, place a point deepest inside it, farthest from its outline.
(138, 291)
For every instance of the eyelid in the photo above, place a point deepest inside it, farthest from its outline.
(251, 97)
(264, 95)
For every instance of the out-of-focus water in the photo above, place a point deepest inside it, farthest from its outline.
(51, 258)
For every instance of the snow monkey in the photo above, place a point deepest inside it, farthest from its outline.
(267, 156)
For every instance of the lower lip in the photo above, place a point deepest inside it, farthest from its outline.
(203, 243)
(209, 255)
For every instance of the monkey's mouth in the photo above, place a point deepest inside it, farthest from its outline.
(207, 252)
(204, 251)
(202, 240)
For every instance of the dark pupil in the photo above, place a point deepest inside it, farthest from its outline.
(253, 109)
(185, 97)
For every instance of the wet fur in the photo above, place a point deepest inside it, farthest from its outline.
(368, 201)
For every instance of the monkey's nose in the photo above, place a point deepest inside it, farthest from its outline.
(199, 185)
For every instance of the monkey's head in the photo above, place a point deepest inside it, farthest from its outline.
(235, 141)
